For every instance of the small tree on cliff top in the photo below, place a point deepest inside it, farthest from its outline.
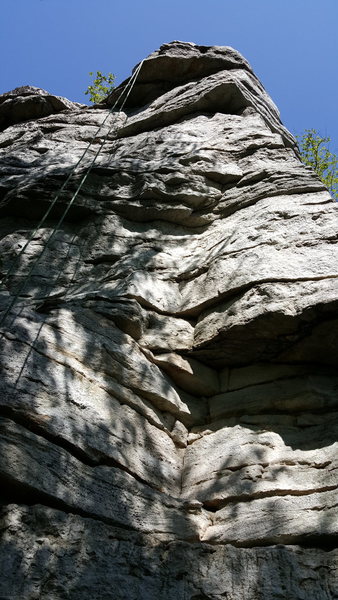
(101, 86)
(315, 154)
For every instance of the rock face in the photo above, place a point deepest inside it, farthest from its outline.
(29, 102)
(168, 408)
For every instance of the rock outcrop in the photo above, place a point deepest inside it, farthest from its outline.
(168, 408)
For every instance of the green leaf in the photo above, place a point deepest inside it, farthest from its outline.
(102, 86)
(316, 155)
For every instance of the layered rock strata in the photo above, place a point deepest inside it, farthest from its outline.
(168, 414)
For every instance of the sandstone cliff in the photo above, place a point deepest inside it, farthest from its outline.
(169, 388)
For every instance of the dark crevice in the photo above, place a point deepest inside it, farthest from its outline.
(321, 541)
(318, 541)
(30, 205)
(13, 492)
(31, 423)
(214, 506)
(103, 259)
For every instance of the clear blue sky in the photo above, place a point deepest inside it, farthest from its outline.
(291, 44)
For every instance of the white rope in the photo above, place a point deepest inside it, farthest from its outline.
(130, 84)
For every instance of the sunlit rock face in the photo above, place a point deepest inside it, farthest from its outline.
(169, 387)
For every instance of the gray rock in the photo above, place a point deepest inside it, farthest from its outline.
(51, 474)
(290, 395)
(188, 374)
(70, 556)
(242, 462)
(29, 102)
(287, 519)
(168, 405)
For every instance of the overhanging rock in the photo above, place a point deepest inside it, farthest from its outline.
(168, 407)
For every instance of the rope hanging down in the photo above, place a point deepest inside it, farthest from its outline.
(21, 289)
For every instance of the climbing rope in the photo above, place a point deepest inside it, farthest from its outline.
(21, 289)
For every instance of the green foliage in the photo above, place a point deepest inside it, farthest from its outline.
(101, 87)
(315, 154)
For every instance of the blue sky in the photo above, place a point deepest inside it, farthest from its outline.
(291, 44)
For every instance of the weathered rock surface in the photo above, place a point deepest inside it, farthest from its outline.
(168, 406)
(68, 556)
(29, 102)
